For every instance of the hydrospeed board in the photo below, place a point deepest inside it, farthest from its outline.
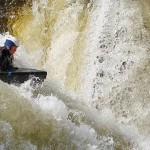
(20, 75)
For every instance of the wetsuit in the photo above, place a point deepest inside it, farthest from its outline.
(6, 60)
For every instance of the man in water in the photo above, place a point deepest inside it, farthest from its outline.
(6, 53)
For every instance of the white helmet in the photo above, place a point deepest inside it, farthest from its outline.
(2, 41)
(13, 39)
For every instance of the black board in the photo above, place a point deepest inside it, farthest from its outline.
(20, 75)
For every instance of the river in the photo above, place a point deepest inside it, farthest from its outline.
(97, 92)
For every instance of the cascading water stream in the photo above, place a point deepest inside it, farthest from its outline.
(96, 95)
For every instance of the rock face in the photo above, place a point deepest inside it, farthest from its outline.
(105, 51)
(98, 50)
(121, 64)
(7, 11)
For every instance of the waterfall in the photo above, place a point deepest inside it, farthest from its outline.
(96, 95)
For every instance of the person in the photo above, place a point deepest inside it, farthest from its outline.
(6, 53)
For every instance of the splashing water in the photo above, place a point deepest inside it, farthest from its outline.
(96, 96)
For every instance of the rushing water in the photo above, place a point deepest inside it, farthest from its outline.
(97, 92)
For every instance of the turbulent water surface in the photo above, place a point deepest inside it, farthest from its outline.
(97, 92)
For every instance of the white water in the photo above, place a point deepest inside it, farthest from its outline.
(96, 95)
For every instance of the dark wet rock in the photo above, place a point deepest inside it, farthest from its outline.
(123, 67)
(101, 59)
(6, 9)
(100, 74)
(103, 46)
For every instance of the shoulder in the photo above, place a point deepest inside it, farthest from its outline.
(4, 51)
(2, 48)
